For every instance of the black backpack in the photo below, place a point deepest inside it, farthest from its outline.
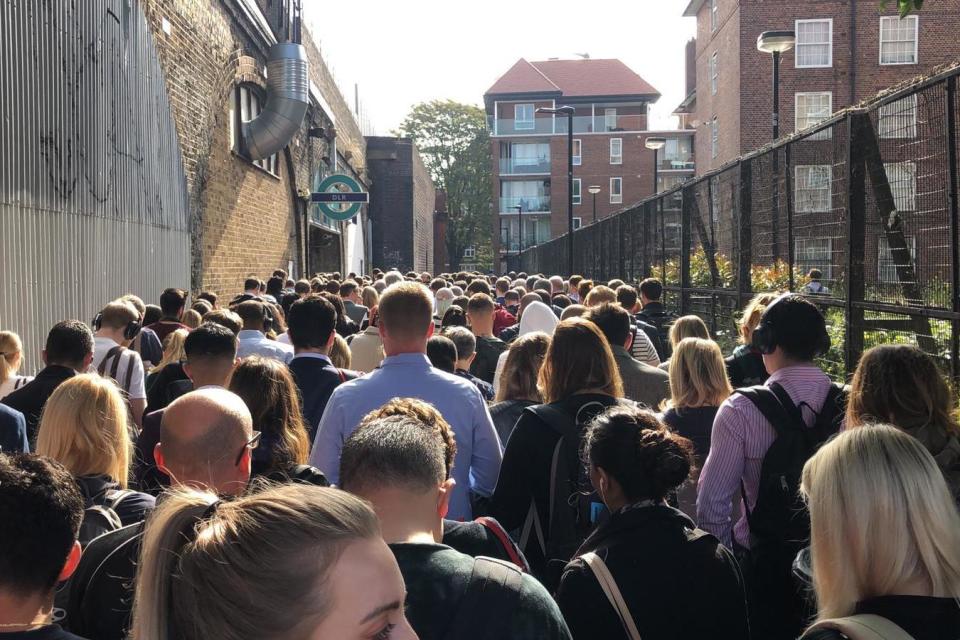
(657, 327)
(486, 609)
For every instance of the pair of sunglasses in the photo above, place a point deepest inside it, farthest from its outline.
(251, 444)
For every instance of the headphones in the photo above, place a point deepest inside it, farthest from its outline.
(765, 338)
(129, 332)
(268, 320)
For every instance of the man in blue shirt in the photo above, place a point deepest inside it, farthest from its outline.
(13, 431)
(406, 323)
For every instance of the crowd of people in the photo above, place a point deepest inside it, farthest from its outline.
(394, 456)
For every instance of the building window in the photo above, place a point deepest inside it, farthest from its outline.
(523, 116)
(898, 40)
(616, 150)
(714, 71)
(714, 199)
(577, 223)
(814, 253)
(610, 119)
(811, 110)
(577, 153)
(248, 103)
(470, 252)
(616, 190)
(576, 191)
(898, 119)
(814, 43)
(812, 191)
(886, 265)
(713, 15)
(902, 178)
(714, 138)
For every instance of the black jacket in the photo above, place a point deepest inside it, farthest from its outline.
(13, 431)
(132, 509)
(30, 398)
(745, 367)
(677, 581)
(146, 475)
(486, 389)
(316, 379)
(167, 385)
(922, 617)
(505, 415)
(488, 352)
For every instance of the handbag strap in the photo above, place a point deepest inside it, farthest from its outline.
(863, 627)
(612, 591)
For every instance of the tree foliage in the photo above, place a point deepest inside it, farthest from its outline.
(453, 140)
(904, 6)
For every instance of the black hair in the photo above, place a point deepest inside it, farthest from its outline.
(152, 314)
(651, 288)
(544, 297)
(393, 451)
(463, 339)
(562, 301)
(275, 287)
(68, 343)
(210, 340)
(454, 316)
(613, 320)
(542, 284)
(287, 300)
(478, 286)
(41, 509)
(172, 302)
(627, 296)
(251, 283)
(442, 353)
(799, 328)
(311, 321)
(252, 312)
(646, 459)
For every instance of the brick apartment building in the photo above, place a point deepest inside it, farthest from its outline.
(528, 149)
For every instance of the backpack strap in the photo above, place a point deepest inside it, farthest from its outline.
(776, 406)
(612, 591)
(114, 497)
(532, 521)
(498, 531)
(114, 353)
(493, 588)
(343, 376)
(129, 377)
(863, 627)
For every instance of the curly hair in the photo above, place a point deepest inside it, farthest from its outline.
(423, 412)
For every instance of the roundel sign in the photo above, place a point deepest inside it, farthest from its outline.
(339, 197)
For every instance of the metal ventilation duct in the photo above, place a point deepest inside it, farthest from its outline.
(288, 95)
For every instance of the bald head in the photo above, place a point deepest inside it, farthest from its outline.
(201, 435)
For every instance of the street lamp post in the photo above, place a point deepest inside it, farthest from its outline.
(776, 42)
(568, 111)
(594, 190)
(519, 208)
(655, 143)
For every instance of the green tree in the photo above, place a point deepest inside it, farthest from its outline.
(905, 6)
(453, 140)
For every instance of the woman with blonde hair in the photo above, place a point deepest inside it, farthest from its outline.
(370, 297)
(340, 354)
(682, 328)
(578, 380)
(518, 382)
(289, 561)
(885, 538)
(745, 367)
(85, 427)
(11, 357)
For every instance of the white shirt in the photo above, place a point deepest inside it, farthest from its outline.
(254, 343)
(643, 349)
(13, 383)
(284, 338)
(129, 358)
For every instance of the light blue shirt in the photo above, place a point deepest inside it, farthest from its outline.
(254, 343)
(410, 375)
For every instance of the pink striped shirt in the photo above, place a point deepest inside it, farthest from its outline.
(738, 442)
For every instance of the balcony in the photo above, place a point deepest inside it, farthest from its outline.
(524, 166)
(505, 127)
(530, 204)
(581, 124)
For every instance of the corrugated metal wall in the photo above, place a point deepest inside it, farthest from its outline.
(92, 190)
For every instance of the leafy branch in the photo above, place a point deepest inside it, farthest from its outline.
(903, 6)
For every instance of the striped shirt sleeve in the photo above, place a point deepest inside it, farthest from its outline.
(643, 349)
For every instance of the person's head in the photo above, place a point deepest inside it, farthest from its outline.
(370, 297)
(152, 314)
(537, 316)
(300, 562)
(526, 300)
(172, 303)
(84, 427)
(522, 368)
(502, 285)
(556, 285)
(173, 349)
(627, 297)
(573, 283)
(436, 284)
(253, 314)
(651, 290)
(882, 520)
(69, 344)
(752, 314)
(206, 440)
(11, 354)
(574, 311)
(542, 284)
(275, 286)
(392, 277)
(268, 389)
(202, 307)
(301, 288)
(41, 509)
(119, 321)
(480, 314)
(584, 288)
(561, 301)
(578, 360)
(614, 321)
(349, 290)
(191, 318)
(442, 353)
(136, 302)
(688, 327)
(791, 331)
(902, 386)
(337, 303)
(511, 298)
(598, 295)
(454, 316)
(406, 318)
(210, 352)
(465, 343)
(478, 286)
(444, 298)
(340, 354)
(815, 275)
(210, 297)
(615, 284)
(225, 318)
(311, 324)
(252, 285)
(399, 464)
(427, 415)
(316, 285)
(698, 375)
(633, 457)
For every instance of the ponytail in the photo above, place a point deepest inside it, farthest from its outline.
(10, 349)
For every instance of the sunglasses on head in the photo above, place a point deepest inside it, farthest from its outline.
(251, 444)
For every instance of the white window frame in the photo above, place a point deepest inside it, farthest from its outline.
(469, 252)
(577, 222)
(577, 152)
(714, 137)
(897, 184)
(898, 119)
(577, 191)
(801, 182)
(609, 115)
(916, 39)
(616, 198)
(516, 119)
(616, 158)
(826, 134)
(799, 45)
(885, 258)
(809, 263)
(714, 64)
(250, 108)
(714, 16)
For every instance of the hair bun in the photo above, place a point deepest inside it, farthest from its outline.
(665, 457)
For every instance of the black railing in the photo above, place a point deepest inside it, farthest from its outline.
(868, 197)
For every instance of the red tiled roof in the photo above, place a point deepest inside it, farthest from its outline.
(573, 78)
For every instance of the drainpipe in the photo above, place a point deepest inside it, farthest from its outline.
(288, 88)
(853, 52)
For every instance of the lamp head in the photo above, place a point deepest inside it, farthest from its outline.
(776, 41)
(594, 189)
(655, 143)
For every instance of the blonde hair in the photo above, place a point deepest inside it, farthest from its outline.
(698, 375)
(11, 355)
(192, 318)
(370, 297)
(522, 367)
(752, 314)
(882, 520)
(599, 295)
(254, 567)
(578, 359)
(340, 354)
(173, 349)
(84, 427)
(688, 327)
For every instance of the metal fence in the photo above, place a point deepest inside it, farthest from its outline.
(868, 197)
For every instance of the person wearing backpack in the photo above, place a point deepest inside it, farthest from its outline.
(885, 539)
(400, 465)
(115, 328)
(761, 438)
(648, 572)
(541, 470)
(654, 318)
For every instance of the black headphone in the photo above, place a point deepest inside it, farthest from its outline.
(765, 339)
(268, 321)
(129, 332)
